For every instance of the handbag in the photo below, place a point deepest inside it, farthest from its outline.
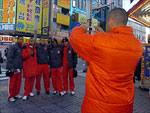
(75, 73)
(9, 74)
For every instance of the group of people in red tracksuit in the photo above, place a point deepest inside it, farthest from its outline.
(36, 60)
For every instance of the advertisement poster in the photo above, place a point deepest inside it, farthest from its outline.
(63, 19)
(147, 61)
(7, 14)
(46, 4)
(64, 3)
(27, 11)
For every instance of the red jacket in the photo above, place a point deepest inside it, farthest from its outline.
(29, 62)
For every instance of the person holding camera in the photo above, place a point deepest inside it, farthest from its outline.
(112, 59)
(15, 65)
(30, 69)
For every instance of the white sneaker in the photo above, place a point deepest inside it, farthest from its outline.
(12, 99)
(54, 92)
(31, 94)
(18, 96)
(61, 93)
(65, 92)
(72, 93)
(24, 97)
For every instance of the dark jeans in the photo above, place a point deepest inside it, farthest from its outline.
(138, 72)
(0, 69)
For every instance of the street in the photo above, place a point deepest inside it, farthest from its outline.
(67, 104)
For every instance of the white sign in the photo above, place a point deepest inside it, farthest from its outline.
(7, 39)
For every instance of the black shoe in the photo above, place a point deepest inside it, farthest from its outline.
(47, 92)
(85, 70)
(38, 93)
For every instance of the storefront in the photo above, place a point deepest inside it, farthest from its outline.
(140, 12)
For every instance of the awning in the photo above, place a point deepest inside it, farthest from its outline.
(141, 12)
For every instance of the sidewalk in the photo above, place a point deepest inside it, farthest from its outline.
(56, 104)
(67, 104)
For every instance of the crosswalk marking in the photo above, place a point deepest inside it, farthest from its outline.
(3, 75)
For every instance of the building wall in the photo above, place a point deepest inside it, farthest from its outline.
(138, 29)
(117, 3)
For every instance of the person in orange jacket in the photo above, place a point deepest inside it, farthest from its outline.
(30, 69)
(112, 59)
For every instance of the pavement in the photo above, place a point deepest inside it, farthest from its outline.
(67, 104)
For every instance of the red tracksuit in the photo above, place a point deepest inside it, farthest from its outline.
(14, 85)
(43, 68)
(65, 72)
(29, 69)
(56, 74)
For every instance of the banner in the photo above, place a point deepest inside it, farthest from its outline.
(45, 16)
(7, 14)
(63, 19)
(27, 11)
(64, 3)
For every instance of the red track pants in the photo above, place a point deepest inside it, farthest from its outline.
(14, 85)
(28, 85)
(65, 78)
(56, 74)
(43, 68)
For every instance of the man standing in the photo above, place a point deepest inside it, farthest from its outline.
(43, 68)
(1, 61)
(30, 69)
(69, 62)
(112, 59)
(14, 64)
(55, 55)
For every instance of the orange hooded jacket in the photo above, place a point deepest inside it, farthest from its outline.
(112, 59)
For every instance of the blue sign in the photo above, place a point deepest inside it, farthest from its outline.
(7, 27)
(147, 61)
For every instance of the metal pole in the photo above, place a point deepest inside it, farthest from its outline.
(35, 28)
(51, 18)
(89, 22)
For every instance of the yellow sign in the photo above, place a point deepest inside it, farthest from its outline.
(64, 3)
(63, 19)
(45, 16)
(27, 11)
(82, 20)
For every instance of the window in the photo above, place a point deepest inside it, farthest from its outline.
(84, 4)
(74, 3)
(77, 3)
(81, 6)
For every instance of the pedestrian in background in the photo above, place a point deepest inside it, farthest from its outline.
(1, 61)
(69, 62)
(30, 69)
(43, 67)
(14, 64)
(112, 59)
(56, 56)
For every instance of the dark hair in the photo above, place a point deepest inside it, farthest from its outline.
(54, 40)
(19, 36)
(119, 15)
(65, 39)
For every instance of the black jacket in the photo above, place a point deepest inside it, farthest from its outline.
(42, 54)
(14, 57)
(1, 59)
(55, 57)
(71, 57)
